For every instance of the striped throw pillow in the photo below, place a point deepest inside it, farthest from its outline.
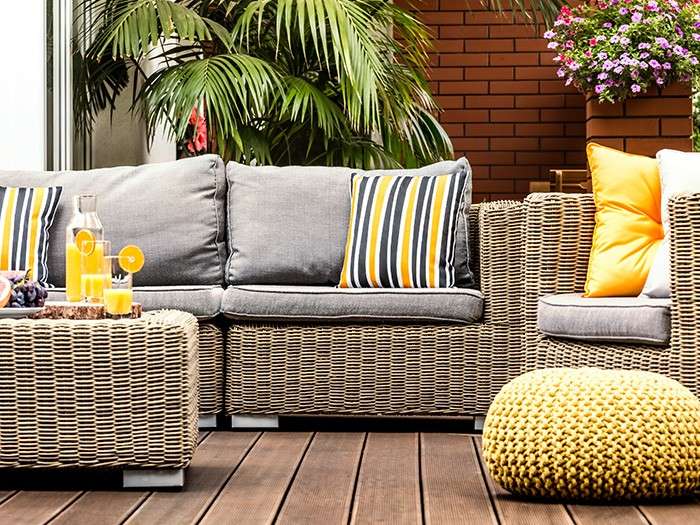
(26, 215)
(402, 231)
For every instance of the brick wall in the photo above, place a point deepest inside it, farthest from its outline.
(658, 119)
(504, 107)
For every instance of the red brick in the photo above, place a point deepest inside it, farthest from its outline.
(530, 44)
(514, 86)
(453, 130)
(563, 143)
(492, 186)
(450, 101)
(539, 157)
(486, 17)
(658, 106)
(470, 143)
(575, 101)
(488, 45)
(513, 59)
(465, 87)
(515, 144)
(512, 31)
(536, 72)
(563, 115)
(449, 46)
(488, 101)
(446, 73)
(557, 86)
(465, 115)
(622, 127)
(440, 18)
(515, 115)
(464, 59)
(539, 101)
(677, 126)
(649, 146)
(489, 130)
(515, 172)
(547, 58)
(539, 130)
(488, 73)
(575, 128)
(461, 5)
(464, 31)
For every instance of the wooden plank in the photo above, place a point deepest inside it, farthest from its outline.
(606, 515)
(323, 488)
(256, 490)
(101, 508)
(681, 513)
(388, 486)
(31, 507)
(454, 490)
(213, 463)
(511, 509)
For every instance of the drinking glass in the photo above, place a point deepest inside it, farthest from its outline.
(94, 271)
(119, 296)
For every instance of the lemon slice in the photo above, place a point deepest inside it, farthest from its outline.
(131, 258)
(85, 241)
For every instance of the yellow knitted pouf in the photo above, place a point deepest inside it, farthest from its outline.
(590, 434)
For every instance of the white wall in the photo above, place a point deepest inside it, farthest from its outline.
(22, 85)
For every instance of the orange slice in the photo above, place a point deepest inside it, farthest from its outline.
(131, 258)
(85, 241)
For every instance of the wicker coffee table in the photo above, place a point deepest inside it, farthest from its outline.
(101, 394)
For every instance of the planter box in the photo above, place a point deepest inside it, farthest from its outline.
(643, 125)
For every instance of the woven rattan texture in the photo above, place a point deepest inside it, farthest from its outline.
(590, 434)
(366, 368)
(211, 368)
(557, 246)
(99, 393)
(392, 369)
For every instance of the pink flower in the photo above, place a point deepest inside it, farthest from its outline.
(592, 41)
(198, 143)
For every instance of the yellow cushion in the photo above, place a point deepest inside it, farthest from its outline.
(628, 230)
(591, 434)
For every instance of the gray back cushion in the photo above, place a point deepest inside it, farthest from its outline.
(175, 211)
(288, 225)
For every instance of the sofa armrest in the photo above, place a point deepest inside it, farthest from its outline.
(500, 266)
(684, 247)
(558, 238)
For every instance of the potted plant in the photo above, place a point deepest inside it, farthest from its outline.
(620, 53)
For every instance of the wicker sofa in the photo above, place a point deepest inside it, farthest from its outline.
(559, 236)
(181, 214)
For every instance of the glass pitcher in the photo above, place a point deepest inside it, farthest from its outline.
(84, 218)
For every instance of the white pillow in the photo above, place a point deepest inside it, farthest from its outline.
(680, 173)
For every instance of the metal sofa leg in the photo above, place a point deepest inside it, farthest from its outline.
(479, 423)
(207, 421)
(153, 478)
(252, 421)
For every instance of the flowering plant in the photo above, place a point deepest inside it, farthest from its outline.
(619, 48)
(195, 142)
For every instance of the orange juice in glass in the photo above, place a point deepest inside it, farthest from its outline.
(95, 272)
(120, 295)
(84, 224)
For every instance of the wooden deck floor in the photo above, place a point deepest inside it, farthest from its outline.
(320, 478)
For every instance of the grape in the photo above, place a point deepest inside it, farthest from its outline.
(26, 293)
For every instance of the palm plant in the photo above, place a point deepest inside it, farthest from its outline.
(279, 81)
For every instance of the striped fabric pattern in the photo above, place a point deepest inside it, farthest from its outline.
(26, 215)
(402, 231)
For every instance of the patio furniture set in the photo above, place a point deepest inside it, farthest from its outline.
(252, 256)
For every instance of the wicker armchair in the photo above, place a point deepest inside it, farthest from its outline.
(386, 369)
(557, 245)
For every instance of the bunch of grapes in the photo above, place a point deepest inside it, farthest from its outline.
(26, 293)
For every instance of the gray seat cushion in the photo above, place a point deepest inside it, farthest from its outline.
(204, 302)
(288, 225)
(612, 319)
(175, 211)
(281, 302)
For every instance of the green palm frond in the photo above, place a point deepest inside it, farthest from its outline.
(304, 102)
(235, 89)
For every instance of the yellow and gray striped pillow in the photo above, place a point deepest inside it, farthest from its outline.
(402, 231)
(26, 215)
